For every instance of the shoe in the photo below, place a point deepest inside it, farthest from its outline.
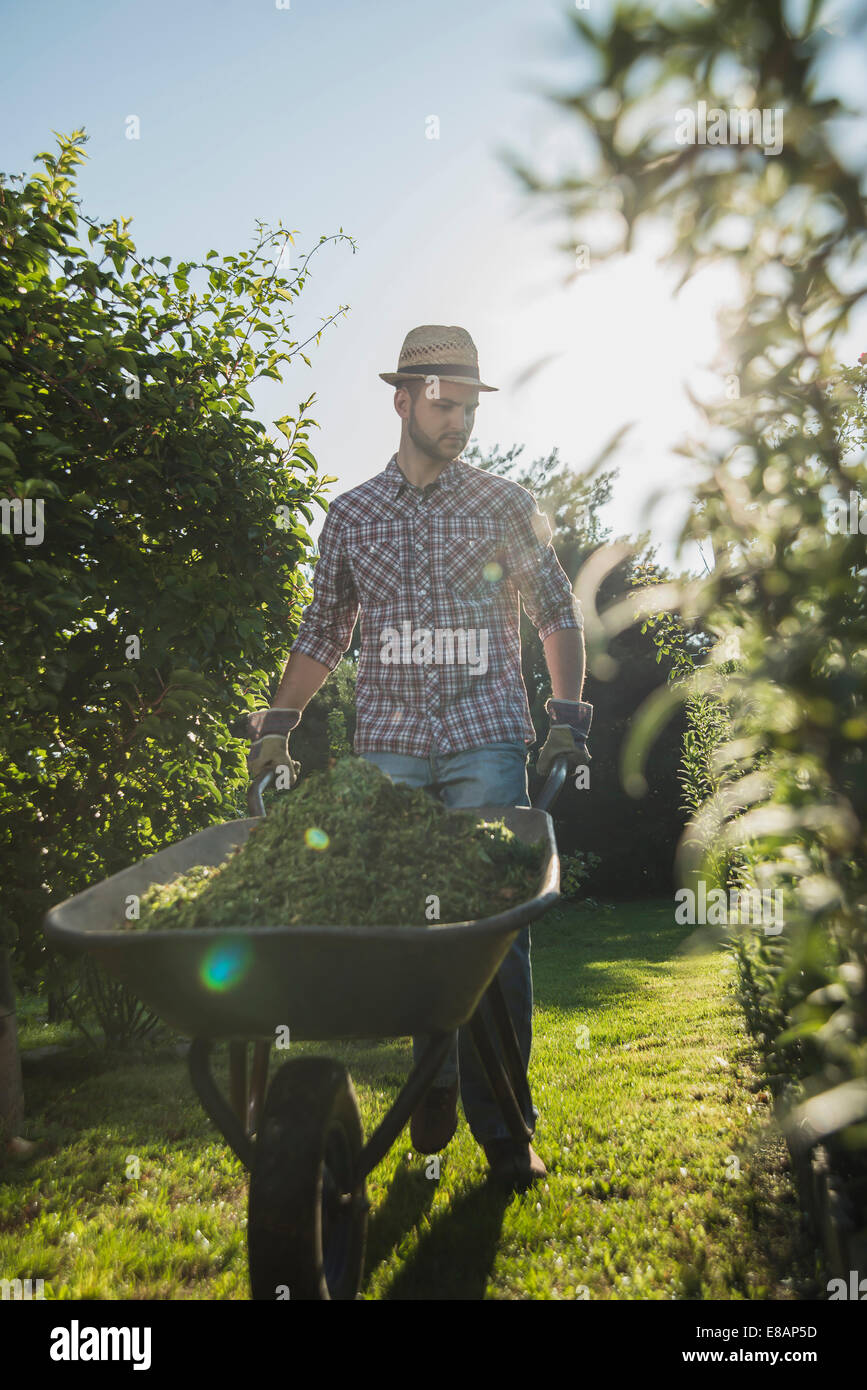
(514, 1164)
(434, 1121)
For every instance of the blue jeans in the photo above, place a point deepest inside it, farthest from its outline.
(495, 774)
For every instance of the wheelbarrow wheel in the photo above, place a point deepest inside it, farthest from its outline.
(307, 1211)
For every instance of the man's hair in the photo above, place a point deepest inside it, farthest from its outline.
(413, 385)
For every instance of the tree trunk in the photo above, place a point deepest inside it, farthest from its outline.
(11, 1091)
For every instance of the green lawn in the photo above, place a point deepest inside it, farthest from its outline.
(666, 1177)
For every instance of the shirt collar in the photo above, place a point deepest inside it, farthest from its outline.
(449, 479)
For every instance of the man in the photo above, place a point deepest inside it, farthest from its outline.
(435, 552)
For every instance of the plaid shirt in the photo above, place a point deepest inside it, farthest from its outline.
(451, 558)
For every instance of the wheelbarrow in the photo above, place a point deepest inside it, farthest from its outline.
(303, 1141)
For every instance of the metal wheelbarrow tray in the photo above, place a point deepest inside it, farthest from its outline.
(308, 1162)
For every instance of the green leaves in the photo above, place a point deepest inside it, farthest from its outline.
(148, 612)
(787, 594)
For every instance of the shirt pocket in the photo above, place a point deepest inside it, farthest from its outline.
(474, 562)
(375, 561)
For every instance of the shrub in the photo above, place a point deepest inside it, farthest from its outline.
(782, 453)
(165, 589)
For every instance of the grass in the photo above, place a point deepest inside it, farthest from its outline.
(666, 1178)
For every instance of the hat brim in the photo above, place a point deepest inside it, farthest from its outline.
(398, 378)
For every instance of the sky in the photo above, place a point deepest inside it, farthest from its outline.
(315, 112)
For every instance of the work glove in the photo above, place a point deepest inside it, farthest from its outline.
(570, 725)
(269, 730)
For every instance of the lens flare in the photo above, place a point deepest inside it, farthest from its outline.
(226, 964)
(493, 572)
(316, 839)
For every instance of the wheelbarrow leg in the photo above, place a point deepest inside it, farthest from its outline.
(504, 1083)
(258, 1082)
(515, 1068)
(215, 1104)
(247, 1087)
(238, 1080)
(398, 1115)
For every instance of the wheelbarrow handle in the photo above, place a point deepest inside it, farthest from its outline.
(553, 784)
(255, 792)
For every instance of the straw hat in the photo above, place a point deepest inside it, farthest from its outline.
(448, 353)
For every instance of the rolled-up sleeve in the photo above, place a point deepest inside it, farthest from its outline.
(546, 592)
(327, 625)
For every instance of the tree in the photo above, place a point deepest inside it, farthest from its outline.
(152, 534)
(778, 457)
